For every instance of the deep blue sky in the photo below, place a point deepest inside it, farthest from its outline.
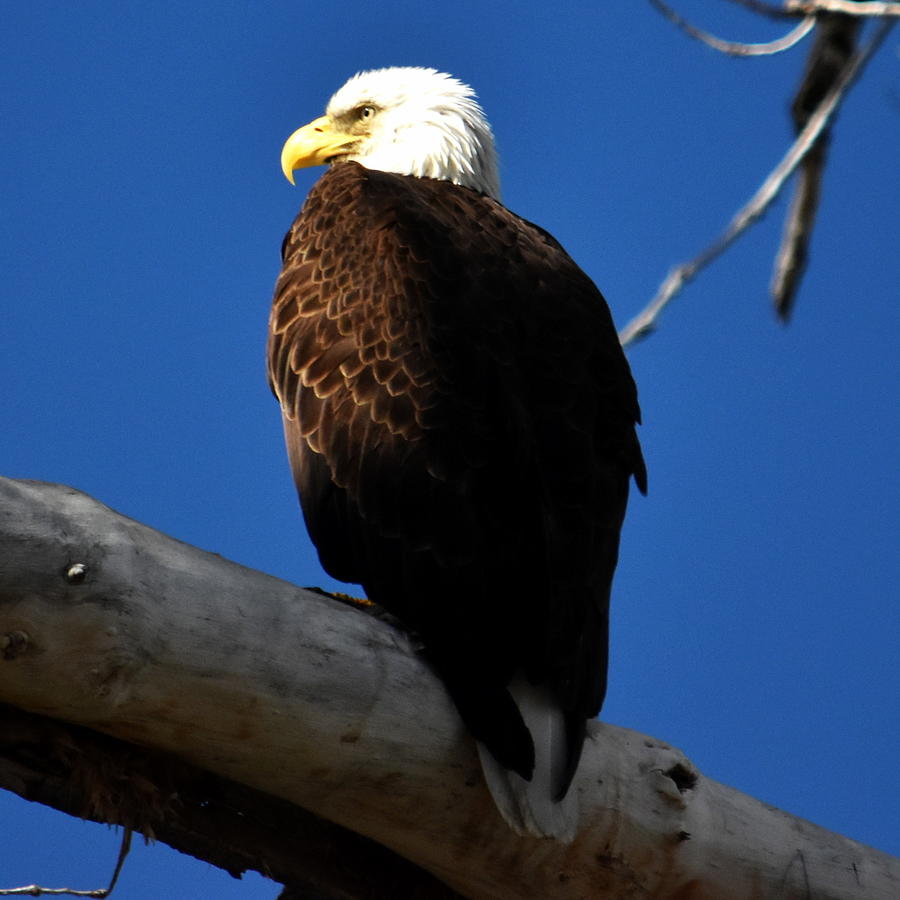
(755, 612)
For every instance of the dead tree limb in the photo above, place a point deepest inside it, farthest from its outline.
(737, 48)
(113, 627)
(90, 775)
(645, 321)
(872, 10)
(829, 55)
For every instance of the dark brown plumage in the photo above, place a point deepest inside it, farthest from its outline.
(460, 421)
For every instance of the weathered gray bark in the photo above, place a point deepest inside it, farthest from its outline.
(113, 626)
(87, 774)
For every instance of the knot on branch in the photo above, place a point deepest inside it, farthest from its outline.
(76, 573)
(13, 644)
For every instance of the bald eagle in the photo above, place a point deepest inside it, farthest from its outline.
(459, 418)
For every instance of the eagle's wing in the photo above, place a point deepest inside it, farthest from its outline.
(460, 423)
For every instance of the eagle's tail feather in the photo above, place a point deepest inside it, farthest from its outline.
(542, 806)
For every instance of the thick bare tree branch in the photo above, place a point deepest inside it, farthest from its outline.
(235, 682)
(87, 774)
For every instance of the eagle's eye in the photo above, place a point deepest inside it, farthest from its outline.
(365, 112)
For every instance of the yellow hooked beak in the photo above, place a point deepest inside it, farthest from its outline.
(313, 145)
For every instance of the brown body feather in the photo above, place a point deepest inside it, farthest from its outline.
(460, 421)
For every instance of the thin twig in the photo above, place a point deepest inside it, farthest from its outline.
(642, 324)
(766, 9)
(124, 848)
(793, 9)
(849, 7)
(737, 48)
(34, 890)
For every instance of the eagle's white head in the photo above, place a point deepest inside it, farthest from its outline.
(406, 120)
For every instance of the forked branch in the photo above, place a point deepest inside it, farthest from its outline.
(645, 322)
